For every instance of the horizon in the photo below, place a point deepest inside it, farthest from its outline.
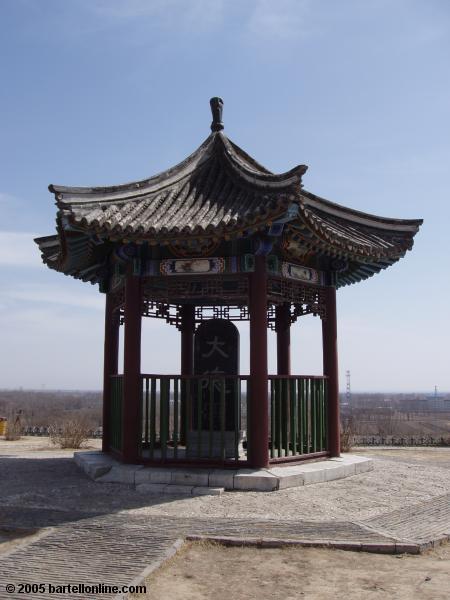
(429, 395)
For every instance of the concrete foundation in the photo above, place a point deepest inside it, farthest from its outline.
(185, 481)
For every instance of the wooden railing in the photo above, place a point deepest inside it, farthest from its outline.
(298, 416)
(195, 418)
(203, 419)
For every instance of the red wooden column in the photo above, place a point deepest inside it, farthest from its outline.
(258, 409)
(132, 387)
(283, 329)
(187, 358)
(110, 364)
(330, 369)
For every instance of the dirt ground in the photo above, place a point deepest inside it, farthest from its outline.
(30, 444)
(203, 571)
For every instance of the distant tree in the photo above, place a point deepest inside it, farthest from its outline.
(387, 424)
(13, 428)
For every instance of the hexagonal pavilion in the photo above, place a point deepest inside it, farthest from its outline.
(216, 239)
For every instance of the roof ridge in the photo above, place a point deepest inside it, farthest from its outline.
(141, 187)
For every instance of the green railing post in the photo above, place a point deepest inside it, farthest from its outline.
(237, 416)
(325, 415)
(285, 415)
(175, 417)
(199, 417)
(152, 416)
(164, 395)
(300, 415)
(278, 414)
(293, 415)
(273, 421)
(321, 413)
(187, 410)
(308, 415)
(212, 384)
(222, 419)
(314, 414)
(305, 400)
(146, 411)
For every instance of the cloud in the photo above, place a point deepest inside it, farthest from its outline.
(192, 14)
(11, 206)
(6, 199)
(282, 20)
(86, 297)
(17, 249)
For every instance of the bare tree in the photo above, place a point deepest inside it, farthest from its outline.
(70, 434)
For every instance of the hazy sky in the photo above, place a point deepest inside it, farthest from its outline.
(107, 91)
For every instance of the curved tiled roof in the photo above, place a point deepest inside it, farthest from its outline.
(218, 192)
(354, 233)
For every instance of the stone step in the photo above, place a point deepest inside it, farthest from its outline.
(183, 477)
(171, 489)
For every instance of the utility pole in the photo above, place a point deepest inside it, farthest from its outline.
(348, 393)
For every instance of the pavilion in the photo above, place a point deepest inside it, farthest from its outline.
(216, 239)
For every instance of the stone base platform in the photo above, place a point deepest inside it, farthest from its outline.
(196, 481)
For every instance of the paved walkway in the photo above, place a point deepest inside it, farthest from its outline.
(113, 549)
(112, 544)
(420, 524)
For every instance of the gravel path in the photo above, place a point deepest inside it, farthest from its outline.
(393, 484)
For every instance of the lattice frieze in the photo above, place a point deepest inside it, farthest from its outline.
(160, 310)
(231, 313)
(228, 299)
(304, 299)
(296, 311)
(271, 317)
(204, 290)
(171, 312)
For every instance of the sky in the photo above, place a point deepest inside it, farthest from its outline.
(100, 92)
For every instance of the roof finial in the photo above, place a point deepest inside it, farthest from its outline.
(216, 109)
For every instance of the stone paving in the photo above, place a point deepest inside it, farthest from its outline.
(112, 544)
(421, 524)
(114, 549)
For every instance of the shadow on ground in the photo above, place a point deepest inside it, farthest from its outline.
(43, 492)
